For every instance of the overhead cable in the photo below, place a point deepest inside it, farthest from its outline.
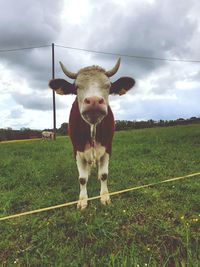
(104, 53)
(23, 48)
(130, 56)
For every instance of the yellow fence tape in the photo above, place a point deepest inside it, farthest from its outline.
(97, 197)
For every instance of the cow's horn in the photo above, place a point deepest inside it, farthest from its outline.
(68, 73)
(111, 72)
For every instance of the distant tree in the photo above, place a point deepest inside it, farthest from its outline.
(24, 129)
(63, 130)
(161, 123)
(193, 118)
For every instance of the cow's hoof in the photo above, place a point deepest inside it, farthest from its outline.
(82, 204)
(105, 199)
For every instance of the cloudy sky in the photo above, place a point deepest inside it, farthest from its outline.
(149, 28)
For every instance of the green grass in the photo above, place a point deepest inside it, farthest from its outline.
(156, 226)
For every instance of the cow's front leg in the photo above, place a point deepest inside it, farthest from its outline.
(103, 177)
(83, 169)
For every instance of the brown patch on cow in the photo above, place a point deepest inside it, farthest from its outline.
(82, 181)
(62, 87)
(104, 176)
(79, 130)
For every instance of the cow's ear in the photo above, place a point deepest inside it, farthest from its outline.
(62, 87)
(122, 85)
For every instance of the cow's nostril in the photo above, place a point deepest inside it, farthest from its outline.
(101, 101)
(94, 101)
(87, 101)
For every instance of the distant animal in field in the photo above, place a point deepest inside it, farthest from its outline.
(47, 135)
(91, 122)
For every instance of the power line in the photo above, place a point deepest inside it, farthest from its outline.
(130, 56)
(103, 53)
(23, 48)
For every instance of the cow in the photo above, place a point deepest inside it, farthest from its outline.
(91, 121)
(47, 135)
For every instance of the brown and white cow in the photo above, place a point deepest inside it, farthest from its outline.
(91, 121)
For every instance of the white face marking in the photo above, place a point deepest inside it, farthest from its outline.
(92, 83)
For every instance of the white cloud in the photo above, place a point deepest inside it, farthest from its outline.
(167, 29)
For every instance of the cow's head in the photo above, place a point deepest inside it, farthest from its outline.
(92, 87)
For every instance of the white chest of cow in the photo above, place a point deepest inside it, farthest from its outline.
(92, 154)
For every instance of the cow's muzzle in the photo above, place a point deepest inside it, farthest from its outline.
(94, 109)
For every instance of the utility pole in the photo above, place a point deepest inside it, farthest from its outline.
(54, 100)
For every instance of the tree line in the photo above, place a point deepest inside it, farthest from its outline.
(120, 125)
(128, 125)
(23, 133)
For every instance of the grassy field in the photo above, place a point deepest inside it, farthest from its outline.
(156, 226)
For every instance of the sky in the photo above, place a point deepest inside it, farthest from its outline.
(148, 28)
